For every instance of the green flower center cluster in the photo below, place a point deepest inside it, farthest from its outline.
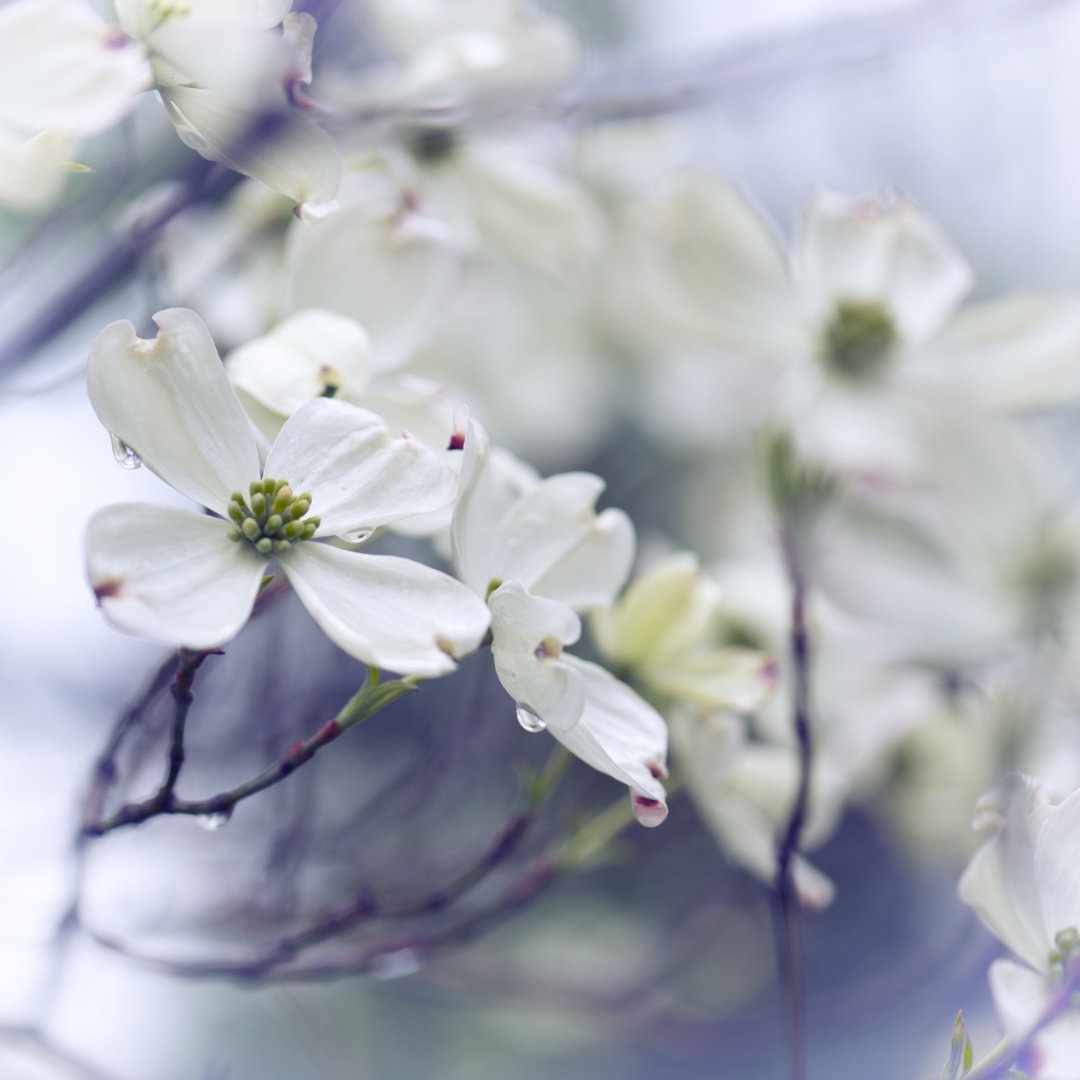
(272, 518)
(859, 339)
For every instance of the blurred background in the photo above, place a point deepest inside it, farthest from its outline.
(656, 959)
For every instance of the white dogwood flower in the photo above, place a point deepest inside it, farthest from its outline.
(858, 329)
(540, 553)
(190, 579)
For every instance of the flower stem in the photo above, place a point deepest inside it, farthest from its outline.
(790, 936)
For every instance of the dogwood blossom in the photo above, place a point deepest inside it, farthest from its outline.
(859, 326)
(539, 553)
(191, 579)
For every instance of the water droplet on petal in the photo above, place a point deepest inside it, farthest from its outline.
(215, 821)
(125, 456)
(649, 812)
(529, 718)
(357, 537)
(396, 965)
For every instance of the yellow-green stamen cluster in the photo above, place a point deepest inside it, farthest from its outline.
(859, 339)
(272, 518)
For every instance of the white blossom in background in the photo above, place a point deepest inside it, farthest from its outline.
(382, 259)
(189, 579)
(65, 74)
(1024, 883)
(539, 553)
(230, 73)
(859, 328)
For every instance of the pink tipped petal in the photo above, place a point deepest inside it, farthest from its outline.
(394, 613)
(359, 475)
(171, 575)
(621, 735)
(169, 399)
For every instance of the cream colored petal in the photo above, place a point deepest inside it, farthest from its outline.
(880, 247)
(32, 173)
(170, 400)
(300, 359)
(621, 735)
(394, 613)
(358, 474)
(63, 67)
(286, 150)
(739, 679)
(528, 635)
(640, 628)
(171, 575)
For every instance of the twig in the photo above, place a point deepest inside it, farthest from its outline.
(792, 965)
(366, 702)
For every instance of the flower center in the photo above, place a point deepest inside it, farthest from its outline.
(432, 145)
(272, 518)
(859, 339)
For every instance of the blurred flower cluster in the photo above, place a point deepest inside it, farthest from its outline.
(537, 414)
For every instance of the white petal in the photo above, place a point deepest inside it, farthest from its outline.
(621, 735)
(880, 247)
(719, 264)
(1057, 865)
(63, 67)
(170, 400)
(394, 613)
(534, 215)
(1017, 353)
(300, 358)
(288, 152)
(359, 476)
(171, 575)
(490, 485)
(1000, 882)
(138, 17)
(528, 633)
(665, 612)
(379, 260)
(554, 543)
